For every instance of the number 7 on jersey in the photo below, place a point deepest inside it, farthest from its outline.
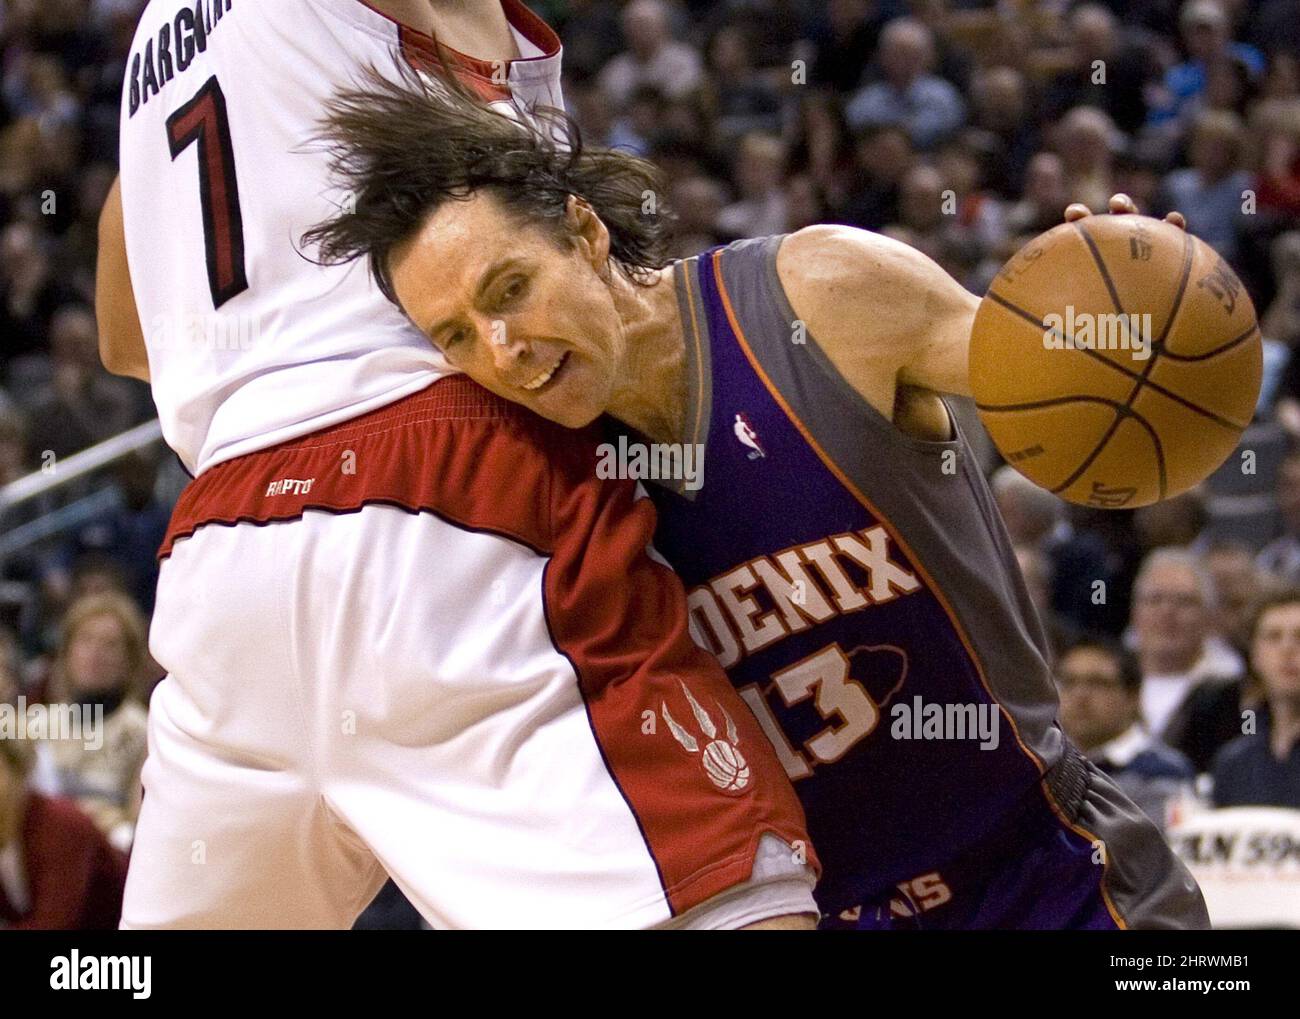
(203, 119)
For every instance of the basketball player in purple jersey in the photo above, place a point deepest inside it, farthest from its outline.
(844, 558)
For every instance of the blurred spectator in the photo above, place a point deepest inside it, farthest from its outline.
(1035, 518)
(744, 100)
(1099, 685)
(882, 157)
(101, 661)
(30, 293)
(1238, 584)
(1179, 521)
(1000, 106)
(1036, 570)
(1262, 767)
(761, 209)
(1109, 68)
(82, 404)
(1087, 142)
(1191, 678)
(653, 57)
(57, 871)
(1211, 191)
(1281, 557)
(1046, 194)
(909, 94)
(697, 202)
(1207, 38)
(844, 42)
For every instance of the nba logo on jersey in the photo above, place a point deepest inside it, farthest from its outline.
(748, 437)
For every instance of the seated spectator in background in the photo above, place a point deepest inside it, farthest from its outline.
(844, 42)
(882, 156)
(1087, 142)
(1109, 69)
(1281, 321)
(909, 94)
(1139, 177)
(652, 58)
(1238, 585)
(1207, 37)
(641, 121)
(1191, 679)
(1178, 522)
(83, 404)
(697, 202)
(1277, 187)
(1210, 191)
(761, 210)
(805, 203)
(57, 871)
(1036, 570)
(1099, 684)
(100, 661)
(131, 532)
(743, 99)
(979, 219)
(1262, 768)
(1046, 194)
(1036, 519)
(30, 291)
(1000, 106)
(1281, 557)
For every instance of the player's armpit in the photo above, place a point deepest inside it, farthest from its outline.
(121, 340)
(885, 313)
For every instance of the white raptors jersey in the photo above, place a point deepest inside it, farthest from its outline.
(250, 343)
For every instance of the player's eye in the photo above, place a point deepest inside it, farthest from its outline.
(514, 290)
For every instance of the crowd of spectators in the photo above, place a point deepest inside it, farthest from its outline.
(961, 128)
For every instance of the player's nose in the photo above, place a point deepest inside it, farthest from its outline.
(511, 352)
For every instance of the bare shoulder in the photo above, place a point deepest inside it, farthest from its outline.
(882, 310)
(834, 257)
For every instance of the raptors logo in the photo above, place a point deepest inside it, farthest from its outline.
(722, 760)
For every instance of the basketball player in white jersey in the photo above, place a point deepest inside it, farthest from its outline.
(407, 630)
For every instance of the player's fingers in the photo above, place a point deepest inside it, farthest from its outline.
(1121, 204)
(1076, 210)
(1177, 219)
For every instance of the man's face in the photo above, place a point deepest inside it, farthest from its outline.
(1169, 613)
(97, 656)
(1095, 707)
(1237, 583)
(522, 316)
(1275, 651)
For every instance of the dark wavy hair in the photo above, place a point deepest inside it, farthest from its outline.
(404, 147)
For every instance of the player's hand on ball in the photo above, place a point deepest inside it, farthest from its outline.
(1119, 205)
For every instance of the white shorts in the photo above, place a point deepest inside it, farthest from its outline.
(388, 691)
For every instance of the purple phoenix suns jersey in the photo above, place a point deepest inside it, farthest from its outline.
(860, 589)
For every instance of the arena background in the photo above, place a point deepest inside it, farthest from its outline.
(766, 116)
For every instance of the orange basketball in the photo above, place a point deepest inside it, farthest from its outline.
(1116, 361)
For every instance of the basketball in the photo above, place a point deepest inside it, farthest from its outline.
(1115, 361)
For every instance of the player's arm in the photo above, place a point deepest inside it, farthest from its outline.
(884, 313)
(121, 340)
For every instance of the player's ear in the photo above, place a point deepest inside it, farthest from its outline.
(588, 231)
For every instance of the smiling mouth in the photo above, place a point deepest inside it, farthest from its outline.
(544, 377)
